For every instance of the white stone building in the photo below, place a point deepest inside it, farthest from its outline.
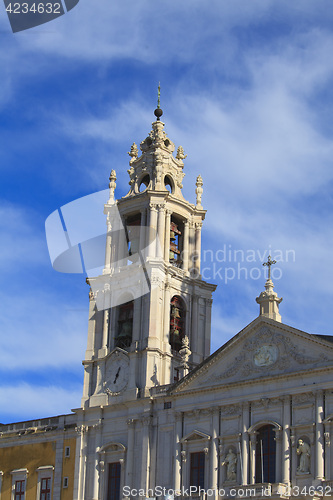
(252, 419)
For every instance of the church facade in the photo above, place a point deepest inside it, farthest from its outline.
(160, 416)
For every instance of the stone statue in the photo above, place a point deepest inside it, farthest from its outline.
(199, 191)
(231, 462)
(304, 451)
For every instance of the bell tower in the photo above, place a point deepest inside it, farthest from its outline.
(150, 310)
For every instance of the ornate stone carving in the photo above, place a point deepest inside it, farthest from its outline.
(180, 153)
(133, 152)
(231, 409)
(305, 397)
(112, 186)
(183, 455)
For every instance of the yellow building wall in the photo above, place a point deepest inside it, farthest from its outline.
(68, 466)
(29, 456)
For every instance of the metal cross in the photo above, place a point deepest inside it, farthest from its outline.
(269, 263)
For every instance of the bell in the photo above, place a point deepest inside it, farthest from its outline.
(171, 255)
(172, 235)
(176, 333)
(126, 329)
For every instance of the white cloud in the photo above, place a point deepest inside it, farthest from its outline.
(42, 330)
(33, 402)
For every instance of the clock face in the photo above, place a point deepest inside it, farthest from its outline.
(116, 377)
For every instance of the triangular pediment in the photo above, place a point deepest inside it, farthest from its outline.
(264, 349)
(195, 436)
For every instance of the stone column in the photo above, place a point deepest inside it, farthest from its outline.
(194, 324)
(160, 231)
(285, 458)
(98, 430)
(185, 255)
(87, 380)
(83, 431)
(146, 422)
(167, 236)
(143, 229)
(319, 458)
(166, 320)
(213, 482)
(245, 443)
(178, 457)
(327, 435)
(107, 266)
(253, 440)
(130, 453)
(198, 227)
(152, 229)
(278, 454)
(106, 318)
(99, 377)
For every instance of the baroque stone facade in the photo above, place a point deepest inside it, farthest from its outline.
(158, 411)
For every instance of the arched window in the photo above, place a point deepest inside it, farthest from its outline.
(125, 325)
(265, 455)
(177, 323)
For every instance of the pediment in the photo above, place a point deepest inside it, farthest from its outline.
(117, 353)
(113, 447)
(264, 349)
(195, 436)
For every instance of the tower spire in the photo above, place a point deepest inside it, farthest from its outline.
(268, 300)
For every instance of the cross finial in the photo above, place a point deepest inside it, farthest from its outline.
(269, 263)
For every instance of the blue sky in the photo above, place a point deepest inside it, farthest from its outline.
(246, 90)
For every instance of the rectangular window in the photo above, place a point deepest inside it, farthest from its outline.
(19, 489)
(167, 405)
(65, 482)
(67, 451)
(114, 481)
(197, 475)
(45, 489)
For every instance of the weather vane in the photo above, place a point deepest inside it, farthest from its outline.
(269, 263)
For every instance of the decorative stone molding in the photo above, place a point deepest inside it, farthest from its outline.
(206, 451)
(231, 409)
(305, 397)
(81, 429)
(183, 455)
(130, 422)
